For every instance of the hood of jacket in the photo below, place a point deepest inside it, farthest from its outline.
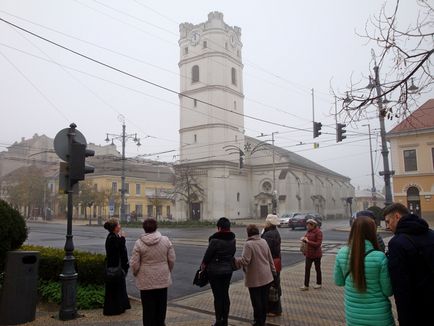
(411, 224)
(151, 239)
(222, 236)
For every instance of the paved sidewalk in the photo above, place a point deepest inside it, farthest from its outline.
(313, 307)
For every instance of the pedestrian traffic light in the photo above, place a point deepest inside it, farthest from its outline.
(340, 131)
(241, 159)
(316, 129)
(77, 162)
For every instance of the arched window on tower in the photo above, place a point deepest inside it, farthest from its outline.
(195, 74)
(234, 76)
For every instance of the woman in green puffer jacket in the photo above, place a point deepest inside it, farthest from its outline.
(362, 268)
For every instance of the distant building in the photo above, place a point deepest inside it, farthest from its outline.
(39, 151)
(240, 176)
(363, 199)
(412, 151)
(148, 183)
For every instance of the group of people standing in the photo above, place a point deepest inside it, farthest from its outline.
(370, 276)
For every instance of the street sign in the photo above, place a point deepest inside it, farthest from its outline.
(61, 142)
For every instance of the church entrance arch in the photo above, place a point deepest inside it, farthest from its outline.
(195, 211)
(413, 201)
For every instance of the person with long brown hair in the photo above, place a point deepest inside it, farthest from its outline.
(361, 267)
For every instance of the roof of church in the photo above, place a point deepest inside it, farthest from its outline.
(422, 118)
(298, 160)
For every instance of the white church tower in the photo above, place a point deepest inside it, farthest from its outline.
(211, 113)
(211, 72)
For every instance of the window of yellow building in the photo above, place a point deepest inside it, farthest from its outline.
(410, 160)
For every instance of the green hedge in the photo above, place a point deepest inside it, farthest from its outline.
(90, 267)
(13, 231)
(88, 296)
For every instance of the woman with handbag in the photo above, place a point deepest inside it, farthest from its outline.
(152, 263)
(116, 298)
(259, 271)
(272, 236)
(312, 250)
(218, 263)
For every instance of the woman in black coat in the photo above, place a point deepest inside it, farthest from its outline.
(272, 236)
(116, 299)
(218, 262)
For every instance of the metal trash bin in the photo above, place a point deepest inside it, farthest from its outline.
(19, 293)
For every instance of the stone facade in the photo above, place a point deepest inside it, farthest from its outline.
(212, 139)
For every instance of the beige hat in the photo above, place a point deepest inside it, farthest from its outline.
(312, 221)
(272, 219)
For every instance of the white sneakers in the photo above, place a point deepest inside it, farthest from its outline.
(316, 287)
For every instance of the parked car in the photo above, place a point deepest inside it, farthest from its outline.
(299, 221)
(284, 218)
(317, 217)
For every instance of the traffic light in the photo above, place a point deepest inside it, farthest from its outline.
(241, 159)
(340, 131)
(77, 162)
(316, 129)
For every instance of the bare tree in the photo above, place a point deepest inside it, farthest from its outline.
(187, 188)
(404, 58)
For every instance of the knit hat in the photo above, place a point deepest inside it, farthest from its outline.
(272, 219)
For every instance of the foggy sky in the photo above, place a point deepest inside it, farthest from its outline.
(289, 47)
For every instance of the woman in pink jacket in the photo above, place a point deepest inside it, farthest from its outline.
(152, 262)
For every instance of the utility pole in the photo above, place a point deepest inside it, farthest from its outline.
(123, 137)
(384, 150)
(373, 190)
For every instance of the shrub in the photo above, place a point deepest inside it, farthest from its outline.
(89, 266)
(88, 296)
(13, 230)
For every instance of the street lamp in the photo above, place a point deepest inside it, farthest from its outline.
(123, 138)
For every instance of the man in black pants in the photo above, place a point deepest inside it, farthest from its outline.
(218, 261)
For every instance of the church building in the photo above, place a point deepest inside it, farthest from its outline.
(235, 175)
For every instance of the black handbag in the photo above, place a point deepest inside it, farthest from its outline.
(201, 278)
(114, 274)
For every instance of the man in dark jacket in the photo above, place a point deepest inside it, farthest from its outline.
(218, 261)
(411, 265)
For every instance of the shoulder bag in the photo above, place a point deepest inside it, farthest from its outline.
(200, 278)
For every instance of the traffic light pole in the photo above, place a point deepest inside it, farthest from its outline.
(386, 173)
(68, 277)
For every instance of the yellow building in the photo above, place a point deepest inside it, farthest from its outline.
(412, 151)
(147, 188)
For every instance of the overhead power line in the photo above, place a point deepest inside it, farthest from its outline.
(145, 80)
